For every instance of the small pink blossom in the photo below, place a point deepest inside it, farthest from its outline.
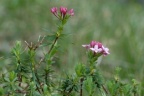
(93, 43)
(54, 10)
(97, 48)
(71, 12)
(105, 51)
(99, 45)
(63, 11)
(86, 46)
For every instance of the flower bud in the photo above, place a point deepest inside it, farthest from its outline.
(99, 45)
(93, 43)
(63, 11)
(54, 10)
(71, 12)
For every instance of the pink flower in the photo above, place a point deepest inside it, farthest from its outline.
(93, 43)
(105, 51)
(54, 10)
(71, 12)
(63, 11)
(99, 45)
(86, 46)
(97, 48)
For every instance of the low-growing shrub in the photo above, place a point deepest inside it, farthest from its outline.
(32, 74)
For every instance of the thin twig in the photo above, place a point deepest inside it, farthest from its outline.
(42, 59)
(53, 44)
(31, 44)
(46, 77)
(38, 81)
(69, 91)
(28, 44)
(19, 76)
(81, 84)
(37, 88)
(39, 43)
(34, 47)
(19, 79)
(104, 89)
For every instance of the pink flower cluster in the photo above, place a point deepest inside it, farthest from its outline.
(63, 12)
(97, 48)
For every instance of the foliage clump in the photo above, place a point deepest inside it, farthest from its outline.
(33, 76)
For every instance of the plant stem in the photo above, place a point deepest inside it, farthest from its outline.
(135, 94)
(38, 81)
(19, 76)
(53, 44)
(81, 84)
(69, 91)
(46, 77)
(34, 76)
(104, 89)
(19, 79)
(42, 59)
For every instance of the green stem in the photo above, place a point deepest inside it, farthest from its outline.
(53, 44)
(34, 76)
(38, 81)
(81, 84)
(56, 39)
(19, 76)
(69, 91)
(46, 76)
(58, 34)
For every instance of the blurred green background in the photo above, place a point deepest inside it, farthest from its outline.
(119, 24)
